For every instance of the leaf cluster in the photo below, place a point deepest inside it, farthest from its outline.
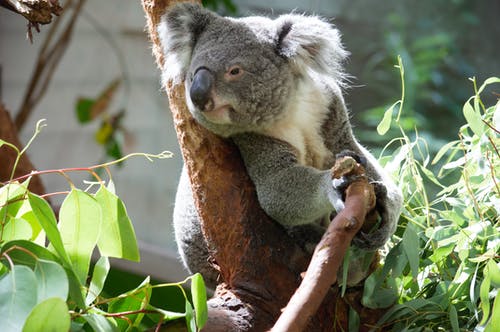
(442, 268)
(47, 279)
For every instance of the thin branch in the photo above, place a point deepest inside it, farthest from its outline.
(48, 60)
(329, 253)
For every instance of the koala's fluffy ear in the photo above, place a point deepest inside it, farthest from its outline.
(311, 43)
(178, 30)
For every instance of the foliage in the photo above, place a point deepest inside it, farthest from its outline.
(47, 282)
(443, 267)
(433, 39)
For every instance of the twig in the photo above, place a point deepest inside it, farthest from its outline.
(328, 255)
(48, 59)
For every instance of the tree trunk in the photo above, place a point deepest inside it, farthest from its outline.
(260, 266)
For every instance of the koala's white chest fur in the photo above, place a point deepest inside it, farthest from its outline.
(301, 124)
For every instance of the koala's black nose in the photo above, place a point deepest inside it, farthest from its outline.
(201, 87)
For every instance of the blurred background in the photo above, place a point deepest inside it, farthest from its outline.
(108, 60)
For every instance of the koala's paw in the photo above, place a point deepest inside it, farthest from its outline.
(384, 227)
(348, 153)
(342, 183)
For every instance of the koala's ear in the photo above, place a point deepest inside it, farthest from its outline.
(178, 30)
(311, 43)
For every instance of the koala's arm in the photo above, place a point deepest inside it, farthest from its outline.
(295, 195)
(288, 192)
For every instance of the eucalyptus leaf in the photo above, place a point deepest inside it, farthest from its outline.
(385, 124)
(411, 248)
(199, 295)
(51, 315)
(190, 320)
(473, 119)
(18, 295)
(137, 299)
(51, 280)
(117, 238)
(47, 219)
(80, 226)
(101, 323)
(99, 275)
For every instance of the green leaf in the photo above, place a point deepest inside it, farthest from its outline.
(80, 225)
(51, 280)
(133, 300)
(83, 109)
(190, 321)
(495, 313)
(199, 295)
(101, 269)
(411, 248)
(16, 229)
(23, 257)
(117, 237)
(47, 219)
(473, 119)
(101, 323)
(484, 290)
(487, 82)
(454, 318)
(18, 295)
(493, 272)
(354, 321)
(51, 315)
(444, 149)
(385, 124)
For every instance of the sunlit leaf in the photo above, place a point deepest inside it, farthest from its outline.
(487, 82)
(484, 290)
(16, 229)
(18, 295)
(80, 226)
(117, 238)
(190, 320)
(99, 275)
(473, 119)
(47, 219)
(199, 295)
(385, 123)
(49, 315)
(493, 272)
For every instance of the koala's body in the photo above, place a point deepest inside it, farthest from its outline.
(274, 88)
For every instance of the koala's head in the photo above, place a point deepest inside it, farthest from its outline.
(240, 74)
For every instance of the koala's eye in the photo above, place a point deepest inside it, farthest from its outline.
(234, 72)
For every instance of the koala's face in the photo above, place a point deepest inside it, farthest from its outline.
(236, 82)
(240, 74)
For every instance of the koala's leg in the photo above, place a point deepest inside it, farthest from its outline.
(188, 235)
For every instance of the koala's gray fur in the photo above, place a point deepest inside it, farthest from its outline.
(274, 87)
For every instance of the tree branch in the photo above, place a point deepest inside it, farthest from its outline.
(330, 251)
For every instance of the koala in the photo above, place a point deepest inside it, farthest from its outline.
(273, 86)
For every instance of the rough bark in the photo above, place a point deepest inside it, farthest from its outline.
(259, 264)
(8, 133)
